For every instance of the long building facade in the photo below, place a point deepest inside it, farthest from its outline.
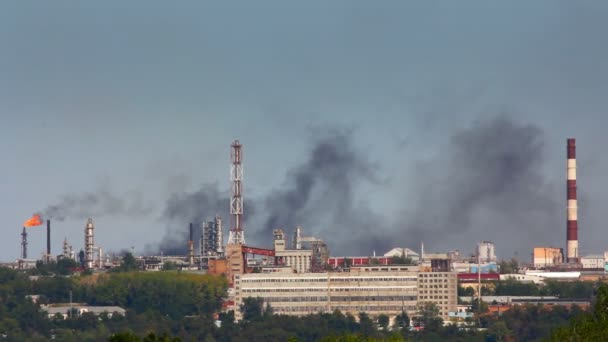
(374, 289)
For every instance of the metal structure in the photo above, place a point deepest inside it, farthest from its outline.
(297, 238)
(24, 244)
(89, 244)
(320, 252)
(66, 248)
(212, 240)
(191, 246)
(237, 235)
(572, 249)
(219, 236)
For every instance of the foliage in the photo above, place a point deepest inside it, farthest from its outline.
(169, 305)
(252, 309)
(587, 327)
(128, 263)
(402, 259)
(169, 266)
(63, 266)
(383, 321)
(402, 321)
(168, 293)
(508, 266)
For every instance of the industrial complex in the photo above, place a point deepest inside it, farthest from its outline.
(299, 276)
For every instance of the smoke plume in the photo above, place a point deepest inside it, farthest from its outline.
(487, 181)
(320, 193)
(196, 207)
(98, 203)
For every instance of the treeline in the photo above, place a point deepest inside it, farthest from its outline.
(182, 305)
(511, 287)
(172, 302)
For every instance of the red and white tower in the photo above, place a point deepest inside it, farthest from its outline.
(572, 226)
(237, 235)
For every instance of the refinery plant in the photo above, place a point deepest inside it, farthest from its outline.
(300, 268)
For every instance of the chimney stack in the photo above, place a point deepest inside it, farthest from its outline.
(191, 246)
(572, 211)
(24, 244)
(48, 238)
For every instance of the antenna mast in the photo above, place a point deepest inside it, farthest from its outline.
(237, 235)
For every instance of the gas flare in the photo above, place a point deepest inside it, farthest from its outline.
(33, 221)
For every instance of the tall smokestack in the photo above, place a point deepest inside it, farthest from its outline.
(191, 246)
(24, 244)
(48, 238)
(572, 211)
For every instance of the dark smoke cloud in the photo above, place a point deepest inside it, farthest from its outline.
(98, 203)
(320, 195)
(486, 184)
(196, 207)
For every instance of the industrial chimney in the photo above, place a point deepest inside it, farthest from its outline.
(191, 246)
(572, 211)
(24, 244)
(48, 238)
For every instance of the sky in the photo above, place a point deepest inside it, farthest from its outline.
(371, 124)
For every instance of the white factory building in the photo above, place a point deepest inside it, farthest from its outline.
(372, 289)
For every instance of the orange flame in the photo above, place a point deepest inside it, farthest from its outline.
(33, 221)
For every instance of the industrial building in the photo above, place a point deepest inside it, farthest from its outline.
(372, 289)
(547, 256)
(486, 251)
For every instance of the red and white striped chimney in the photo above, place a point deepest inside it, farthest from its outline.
(572, 227)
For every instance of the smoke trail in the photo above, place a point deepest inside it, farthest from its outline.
(319, 194)
(99, 203)
(196, 207)
(489, 181)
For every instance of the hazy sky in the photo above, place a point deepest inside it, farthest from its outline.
(138, 101)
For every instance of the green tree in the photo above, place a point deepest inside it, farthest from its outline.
(499, 330)
(402, 320)
(587, 327)
(366, 325)
(169, 266)
(124, 337)
(128, 263)
(383, 321)
(428, 317)
(508, 266)
(252, 308)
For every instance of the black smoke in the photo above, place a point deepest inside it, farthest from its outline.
(103, 202)
(196, 207)
(320, 194)
(487, 183)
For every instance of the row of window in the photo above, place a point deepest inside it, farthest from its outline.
(372, 279)
(433, 297)
(435, 275)
(324, 289)
(325, 279)
(444, 286)
(315, 309)
(434, 291)
(340, 299)
(432, 280)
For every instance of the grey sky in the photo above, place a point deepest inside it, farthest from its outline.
(142, 99)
